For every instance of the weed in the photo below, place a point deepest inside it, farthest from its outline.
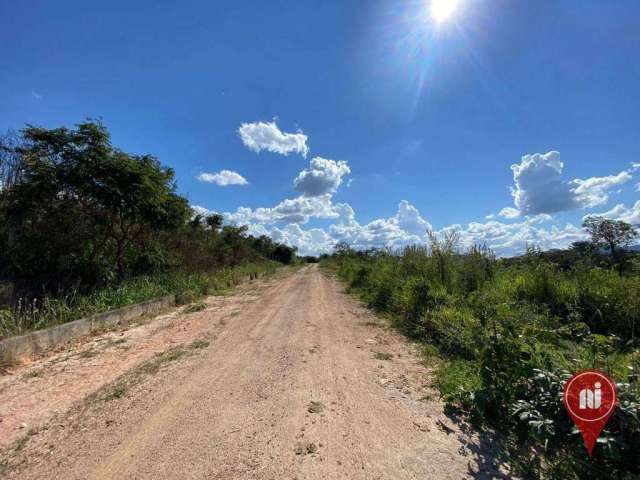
(36, 372)
(199, 344)
(382, 356)
(195, 307)
(118, 391)
(154, 365)
(88, 353)
(305, 448)
(315, 407)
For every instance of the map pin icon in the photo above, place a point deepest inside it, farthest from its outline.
(590, 398)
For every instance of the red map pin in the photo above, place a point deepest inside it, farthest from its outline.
(590, 398)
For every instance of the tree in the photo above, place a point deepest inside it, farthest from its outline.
(214, 221)
(443, 249)
(583, 248)
(342, 248)
(10, 161)
(284, 254)
(614, 235)
(83, 209)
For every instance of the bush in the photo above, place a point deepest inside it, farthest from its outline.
(459, 382)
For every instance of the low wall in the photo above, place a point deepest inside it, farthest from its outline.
(15, 348)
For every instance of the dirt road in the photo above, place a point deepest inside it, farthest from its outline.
(299, 382)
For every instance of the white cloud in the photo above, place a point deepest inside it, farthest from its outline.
(406, 227)
(294, 210)
(509, 212)
(637, 187)
(513, 238)
(539, 190)
(635, 167)
(314, 241)
(505, 239)
(593, 191)
(323, 176)
(199, 210)
(620, 212)
(539, 187)
(408, 219)
(223, 178)
(258, 136)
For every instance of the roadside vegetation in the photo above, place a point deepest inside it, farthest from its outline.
(86, 227)
(505, 334)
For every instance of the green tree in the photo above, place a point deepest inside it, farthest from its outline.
(613, 235)
(83, 209)
(214, 221)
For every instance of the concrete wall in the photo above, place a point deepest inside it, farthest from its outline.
(15, 348)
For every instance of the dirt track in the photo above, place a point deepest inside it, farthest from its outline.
(300, 381)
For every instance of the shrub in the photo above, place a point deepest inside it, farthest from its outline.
(459, 382)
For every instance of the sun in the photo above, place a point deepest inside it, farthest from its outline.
(443, 10)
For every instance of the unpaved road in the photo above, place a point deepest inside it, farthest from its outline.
(299, 382)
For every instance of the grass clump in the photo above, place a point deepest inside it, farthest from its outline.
(160, 359)
(118, 391)
(197, 344)
(195, 307)
(382, 356)
(315, 407)
(305, 448)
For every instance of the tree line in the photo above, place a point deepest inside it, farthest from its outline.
(78, 213)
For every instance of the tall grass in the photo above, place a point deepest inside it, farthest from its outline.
(37, 313)
(509, 334)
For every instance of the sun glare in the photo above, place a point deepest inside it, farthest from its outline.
(443, 10)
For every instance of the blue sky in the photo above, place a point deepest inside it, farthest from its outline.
(364, 121)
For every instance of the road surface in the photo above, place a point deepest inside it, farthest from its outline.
(300, 381)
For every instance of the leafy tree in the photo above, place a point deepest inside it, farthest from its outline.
(614, 235)
(342, 248)
(284, 254)
(84, 211)
(582, 248)
(10, 161)
(214, 221)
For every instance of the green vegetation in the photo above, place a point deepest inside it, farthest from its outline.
(195, 307)
(504, 335)
(86, 227)
(196, 344)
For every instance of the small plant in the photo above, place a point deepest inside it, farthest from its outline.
(195, 307)
(154, 365)
(382, 356)
(315, 407)
(196, 344)
(186, 296)
(36, 372)
(118, 391)
(22, 441)
(88, 353)
(306, 448)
